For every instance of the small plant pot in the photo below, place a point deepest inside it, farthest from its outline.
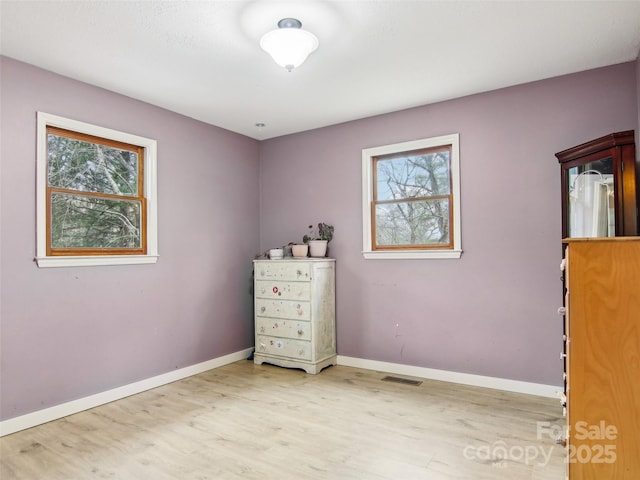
(299, 251)
(318, 248)
(276, 254)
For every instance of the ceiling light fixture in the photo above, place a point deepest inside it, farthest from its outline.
(289, 45)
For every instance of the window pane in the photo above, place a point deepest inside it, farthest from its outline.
(92, 222)
(90, 167)
(418, 174)
(413, 223)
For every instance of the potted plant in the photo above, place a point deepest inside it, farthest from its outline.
(318, 239)
(299, 250)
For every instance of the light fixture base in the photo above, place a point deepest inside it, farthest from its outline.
(289, 23)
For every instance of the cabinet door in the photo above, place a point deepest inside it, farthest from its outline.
(590, 197)
(604, 366)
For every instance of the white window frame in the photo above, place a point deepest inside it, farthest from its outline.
(368, 155)
(150, 192)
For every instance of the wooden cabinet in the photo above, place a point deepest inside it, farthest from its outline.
(602, 334)
(295, 313)
(599, 187)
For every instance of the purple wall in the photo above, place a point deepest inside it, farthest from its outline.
(72, 332)
(493, 312)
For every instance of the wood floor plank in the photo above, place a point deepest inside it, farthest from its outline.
(246, 421)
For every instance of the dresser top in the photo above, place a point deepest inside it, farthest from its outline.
(295, 260)
(601, 239)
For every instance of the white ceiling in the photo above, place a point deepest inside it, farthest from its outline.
(202, 58)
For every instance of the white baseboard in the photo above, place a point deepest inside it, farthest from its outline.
(517, 386)
(58, 411)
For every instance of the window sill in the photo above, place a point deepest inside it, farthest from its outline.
(63, 261)
(412, 255)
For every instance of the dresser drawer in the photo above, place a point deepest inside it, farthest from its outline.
(283, 328)
(283, 309)
(283, 270)
(283, 290)
(283, 347)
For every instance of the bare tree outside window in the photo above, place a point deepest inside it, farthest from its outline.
(412, 198)
(95, 193)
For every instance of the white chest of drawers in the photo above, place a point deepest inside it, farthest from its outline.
(295, 313)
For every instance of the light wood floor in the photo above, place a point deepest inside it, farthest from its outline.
(244, 422)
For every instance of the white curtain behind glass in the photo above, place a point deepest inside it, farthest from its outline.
(589, 212)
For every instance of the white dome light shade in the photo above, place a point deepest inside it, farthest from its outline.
(289, 45)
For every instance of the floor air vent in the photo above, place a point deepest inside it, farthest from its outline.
(405, 381)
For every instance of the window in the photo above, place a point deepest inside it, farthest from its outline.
(96, 200)
(411, 199)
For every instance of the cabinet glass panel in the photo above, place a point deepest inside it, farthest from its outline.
(591, 200)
